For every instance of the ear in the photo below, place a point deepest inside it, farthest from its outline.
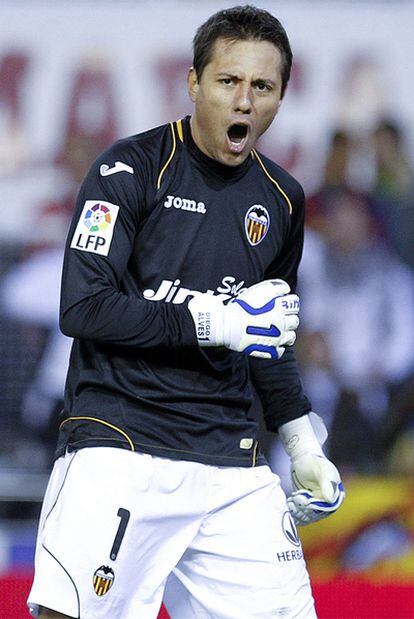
(192, 84)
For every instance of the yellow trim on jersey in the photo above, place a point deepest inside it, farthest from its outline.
(254, 455)
(180, 130)
(273, 180)
(169, 158)
(105, 423)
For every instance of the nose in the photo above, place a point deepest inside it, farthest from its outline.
(243, 99)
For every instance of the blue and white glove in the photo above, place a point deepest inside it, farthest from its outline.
(318, 487)
(260, 322)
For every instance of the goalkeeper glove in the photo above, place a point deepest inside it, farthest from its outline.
(260, 322)
(318, 487)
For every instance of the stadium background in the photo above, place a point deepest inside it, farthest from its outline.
(76, 75)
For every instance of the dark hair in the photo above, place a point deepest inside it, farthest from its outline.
(241, 23)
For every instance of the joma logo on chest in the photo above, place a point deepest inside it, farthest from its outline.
(185, 204)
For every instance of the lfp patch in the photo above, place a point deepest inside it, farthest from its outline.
(256, 224)
(95, 227)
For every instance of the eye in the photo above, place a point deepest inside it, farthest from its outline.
(263, 87)
(227, 81)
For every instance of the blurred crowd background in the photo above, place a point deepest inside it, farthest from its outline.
(75, 76)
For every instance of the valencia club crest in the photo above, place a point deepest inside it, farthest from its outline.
(256, 224)
(103, 580)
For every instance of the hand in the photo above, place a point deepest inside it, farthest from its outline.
(319, 489)
(260, 322)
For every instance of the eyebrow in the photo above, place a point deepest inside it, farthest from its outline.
(227, 74)
(266, 80)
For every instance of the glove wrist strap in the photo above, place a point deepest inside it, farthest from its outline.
(298, 437)
(207, 313)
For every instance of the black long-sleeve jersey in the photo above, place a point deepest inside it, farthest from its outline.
(156, 220)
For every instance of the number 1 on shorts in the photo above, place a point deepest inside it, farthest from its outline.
(124, 515)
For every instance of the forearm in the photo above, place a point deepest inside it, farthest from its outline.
(114, 318)
(280, 389)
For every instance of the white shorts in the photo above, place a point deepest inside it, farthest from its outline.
(115, 525)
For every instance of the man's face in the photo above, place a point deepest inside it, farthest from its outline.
(236, 98)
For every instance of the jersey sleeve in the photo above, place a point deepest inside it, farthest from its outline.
(279, 388)
(278, 382)
(110, 207)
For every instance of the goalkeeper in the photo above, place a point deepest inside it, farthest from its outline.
(178, 288)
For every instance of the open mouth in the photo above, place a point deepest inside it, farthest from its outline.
(237, 137)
